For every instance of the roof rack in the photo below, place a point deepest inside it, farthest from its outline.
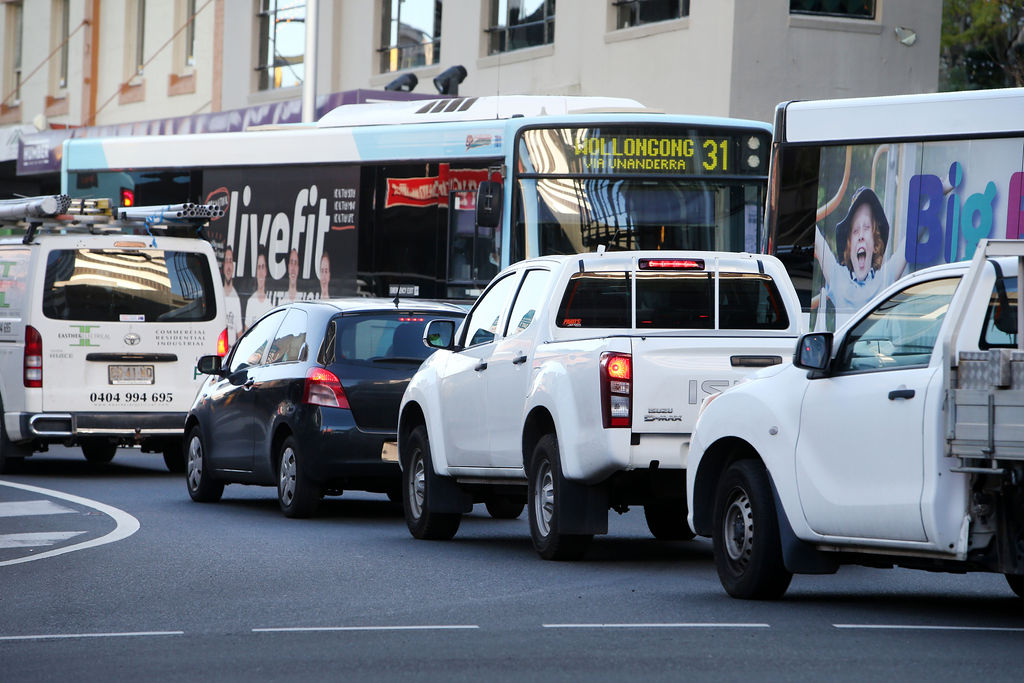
(62, 215)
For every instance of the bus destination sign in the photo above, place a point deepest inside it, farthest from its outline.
(593, 151)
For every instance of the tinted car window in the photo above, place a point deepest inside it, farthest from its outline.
(672, 300)
(485, 319)
(528, 300)
(128, 285)
(252, 347)
(289, 339)
(383, 337)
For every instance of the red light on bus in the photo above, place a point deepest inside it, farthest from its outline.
(671, 264)
(127, 197)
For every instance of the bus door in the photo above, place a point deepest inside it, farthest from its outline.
(473, 250)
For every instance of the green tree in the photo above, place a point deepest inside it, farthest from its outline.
(982, 44)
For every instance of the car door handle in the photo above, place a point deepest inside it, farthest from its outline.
(901, 393)
(482, 366)
(249, 384)
(519, 360)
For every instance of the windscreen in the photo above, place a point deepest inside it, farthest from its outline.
(128, 285)
(672, 300)
(633, 187)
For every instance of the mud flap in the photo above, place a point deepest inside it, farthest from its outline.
(444, 495)
(798, 556)
(582, 509)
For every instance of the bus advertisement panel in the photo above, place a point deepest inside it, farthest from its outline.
(888, 209)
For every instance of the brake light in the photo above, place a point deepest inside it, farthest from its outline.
(671, 264)
(222, 343)
(617, 389)
(324, 389)
(127, 196)
(33, 375)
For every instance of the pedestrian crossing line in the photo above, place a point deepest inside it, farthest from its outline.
(31, 508)
(38, 539)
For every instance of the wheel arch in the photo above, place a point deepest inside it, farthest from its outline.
(281, 432)
(716, 460)
(538, 422)
(412, 417)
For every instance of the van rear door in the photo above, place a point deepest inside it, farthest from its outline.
(125, 321)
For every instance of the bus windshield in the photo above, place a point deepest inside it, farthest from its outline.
(640, 188)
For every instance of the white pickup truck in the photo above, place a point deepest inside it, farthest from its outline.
(899, 440)
(573, 386)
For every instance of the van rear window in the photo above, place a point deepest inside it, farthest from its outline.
(673, 300)
(128, 285)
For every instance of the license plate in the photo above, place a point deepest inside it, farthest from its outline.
(389, 451)
(130, 374)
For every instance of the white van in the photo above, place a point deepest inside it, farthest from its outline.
(99, 338)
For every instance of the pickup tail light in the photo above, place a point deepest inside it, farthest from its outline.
(671, 264)
(324, 389)
(33, 375)
(222, 343)
(617, 389)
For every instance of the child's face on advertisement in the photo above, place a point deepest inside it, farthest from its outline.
(862, 242)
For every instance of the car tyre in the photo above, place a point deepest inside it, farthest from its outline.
(99, 451)
(747, 547)
(297, 494)
(1016, 582)
(667, 520)
(423, 523)
(12, 456)
(175, 457)
(504, 507)
(542, 496)
(203, 487)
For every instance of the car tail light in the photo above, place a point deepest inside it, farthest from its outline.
(222, 343)
(671, 264)
(617, 389)
(33, 357)
(324, 389)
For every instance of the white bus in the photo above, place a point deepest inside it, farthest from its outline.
(866, 190)
(381, 199)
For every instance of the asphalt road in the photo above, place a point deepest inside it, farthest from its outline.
(235, 591)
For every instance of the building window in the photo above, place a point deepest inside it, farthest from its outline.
(12, 55)
(636, 12)
(853, 9)
(63, 22)
(190, 33)
(411, 34)
(516, 24)
(135, 31)
(282, 36)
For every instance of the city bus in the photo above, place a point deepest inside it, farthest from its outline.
(866, 190)
(431, 198)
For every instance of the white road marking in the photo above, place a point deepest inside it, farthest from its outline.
(41, 539)
(126, 525)
(423, 627)
(28, 508)
(64, 636)
(664, 625)
(927, 627)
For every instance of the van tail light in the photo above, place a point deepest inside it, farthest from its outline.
(617, 389)
(324, 389)
(33, 357)
(222, 343)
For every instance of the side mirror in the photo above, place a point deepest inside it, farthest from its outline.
(813, 351)
(439, 334)
(209, 365)
(488, 204)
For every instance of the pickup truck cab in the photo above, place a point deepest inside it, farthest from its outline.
(573, 386)
(899, 440)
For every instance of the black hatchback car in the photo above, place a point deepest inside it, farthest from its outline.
(308, 401)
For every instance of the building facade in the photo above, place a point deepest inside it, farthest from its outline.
(68, 64)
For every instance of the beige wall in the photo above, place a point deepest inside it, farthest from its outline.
(729, 57)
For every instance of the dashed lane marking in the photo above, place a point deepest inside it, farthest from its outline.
(125, 524)
(65, 636)
(926, 627)
(421, 627)
(661, 625)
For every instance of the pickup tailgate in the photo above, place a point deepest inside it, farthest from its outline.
(673, 375)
